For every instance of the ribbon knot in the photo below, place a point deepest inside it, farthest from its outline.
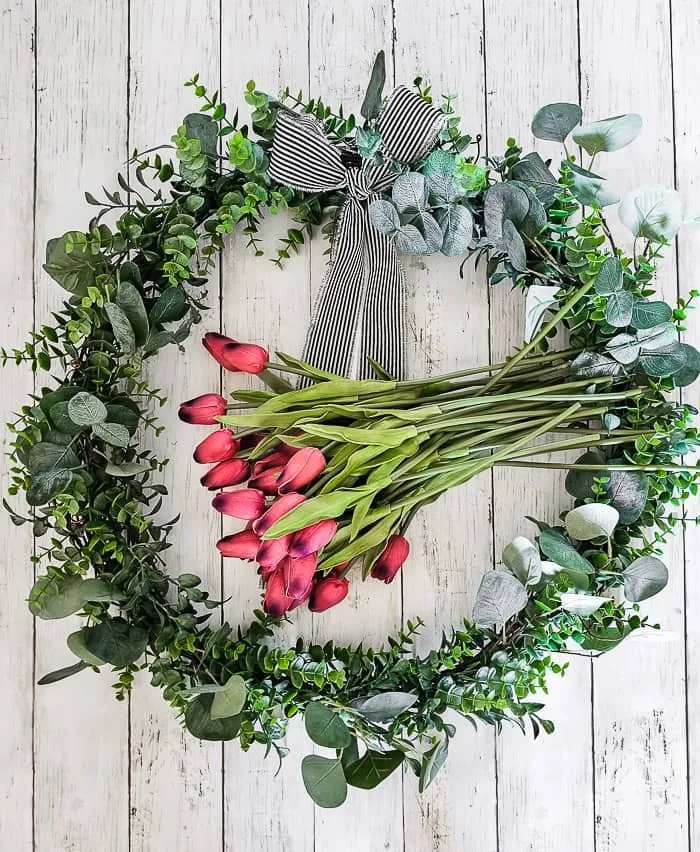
(362, 302)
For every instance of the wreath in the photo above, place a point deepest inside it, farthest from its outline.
(328, 471)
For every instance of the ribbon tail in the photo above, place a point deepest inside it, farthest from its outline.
(332, 334)
(383, 335)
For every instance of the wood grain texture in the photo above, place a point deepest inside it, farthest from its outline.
(81, 732)
(622, 771)
(16, 248)
(639, 697)
(171, 772)
(541, 67)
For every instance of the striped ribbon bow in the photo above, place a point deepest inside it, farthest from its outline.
(362, 300)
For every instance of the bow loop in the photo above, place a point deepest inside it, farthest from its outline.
(364, 285)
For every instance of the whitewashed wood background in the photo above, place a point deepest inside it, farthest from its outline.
(84, 81)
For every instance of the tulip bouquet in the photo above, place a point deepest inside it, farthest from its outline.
(328, 476)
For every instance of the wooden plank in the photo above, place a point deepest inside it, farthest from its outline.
(532, 60)
(176, 780)
(16, 233)
(266, 305)
(344, 39)
(639, 691)
(450, 540)
(81, 731)
(685, 31)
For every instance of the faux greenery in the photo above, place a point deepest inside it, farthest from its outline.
(134, 279)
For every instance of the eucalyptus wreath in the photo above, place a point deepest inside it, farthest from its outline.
(136, 278)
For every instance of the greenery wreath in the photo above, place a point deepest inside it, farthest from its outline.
(335, 468)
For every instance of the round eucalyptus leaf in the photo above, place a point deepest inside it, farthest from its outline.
(591, 364)
(125, 470)
(500, 596)
(591, 189)
(372, 768)
(170, 306)
(384, 216)
(579, 482)
(514, 246)
(582, 605)
(410, 193)
(385, 706)
(46, 485)
(75, 269)
(691, 369)
(609, 278)
(76, 643)
(608, 134)
(324, 780)
(592, 520)
(200, 724)
(644, 578)
(409, 240)
(116, 641)
(47, 456)
(325, 727)
(113, 434)
(657, 337)
(624, 348)
(504, 202)
(555, 121)
(652, 212)
(618, 311)
(610, 421)
(59, 597)
(457, 225)
(522, 558)
(231, 700)
(85, 409)
(432, 233)
(666, 361)
(627, 491)
(62, 421)
(533, 172)
(649, 314)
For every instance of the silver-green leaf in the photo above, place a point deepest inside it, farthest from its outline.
(608, 134)
(500, 596)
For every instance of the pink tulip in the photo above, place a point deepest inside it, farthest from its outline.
(277, 459)
(217, 447)
(298, 575)
(312, 538)
(203, 410)
(276, 602)
(247, 504)
(267, 481)
(226, 473)
(241, 545)
(391, 559)
(272, 551)
(279, 508)
(235, 356)
(327, 593)
(301, 469)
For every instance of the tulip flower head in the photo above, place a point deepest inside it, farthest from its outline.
(279, 508)
(248, 504)
(225, 474)
(240, 545)
(391, 559)
(272, 551)
(298, 575)
(217, 447)
(203, 410)
(327, 593)
(312, 538)
(234, 356)
(301, 469)
(276, 602)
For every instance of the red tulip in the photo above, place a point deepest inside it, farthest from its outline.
(272, 551)
(391, 559)
(242, 545)
(217, 447)
(246, 504)
(267, 481)
(235, 356)
(277, 459)
(312, 538)
(327, 593)
(226, 473)
(203, 410)
(276, 602)
(298, 575)
(301, 469)
(280, 507)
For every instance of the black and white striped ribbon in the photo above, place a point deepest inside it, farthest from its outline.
(362, 299)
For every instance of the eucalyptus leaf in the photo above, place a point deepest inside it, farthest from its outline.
(201, 725)
(372, 768)
(555, 121)
(62, 421)
(76, 643)
(201, 126)
(666, 361)
(170, 306)
(125, 469)
(538, 300)
(457, 225)
(591, 189)
(628, 491)
(47, 456)
(649, 314)
(367, 141)
(410, 193)
(532, 171)
(618, 311)
(444, 189)
(62, 674)
(432, 233)
(129, 300)
(522, 558)
(231, 700)
(579, 482)
(372, 101)
(52, 598)
(113, 434)
(609, 278)
(514, 246)
(409, 240)
(592, 520)
(592, 364)
(384, 216)
(116, 641)
(325, 727)
(691, 368)
(608, 134)
(85, 409)
(657, 337)
(561, 551)
(433, 761)
(644, 578)
(76, 270)
(500, 596)
(46, 485)
(652, 212)
(123, 332)
(504, 202)
(624, 348)
(582, 605)
(324, 780)
(385, 706)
